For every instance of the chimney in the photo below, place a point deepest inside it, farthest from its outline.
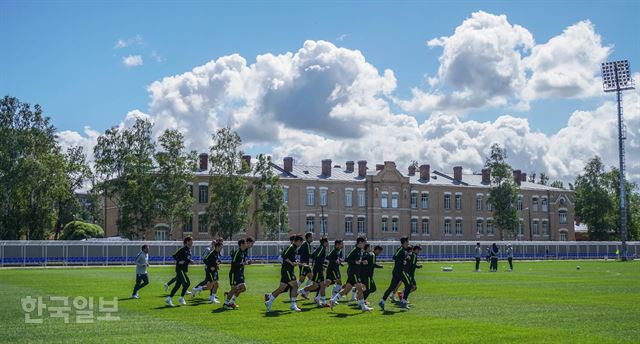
(425, 172)
(247, 159)
(517, 177)
(379, 167)
(204, 161)
(523, 177)
(457, 173)
(349, 166)
(288, 164)
(362, 168)
(412, 170)
(326, 167)
(486, 176)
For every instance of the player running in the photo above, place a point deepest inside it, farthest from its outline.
(368, 269)
(400, 258)
(142, 263)
(333, 268)
(318, 285)
(411, 267)
(183, 259)
(354, 273)
(305, 267)
(212, 265)
(236, 275)
(287, 276)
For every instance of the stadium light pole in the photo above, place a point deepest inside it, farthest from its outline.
(616, 77)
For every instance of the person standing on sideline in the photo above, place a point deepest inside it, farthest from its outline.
(142, 262)
(494, 257)
(183, 259)
(510, 256)
(478, 256)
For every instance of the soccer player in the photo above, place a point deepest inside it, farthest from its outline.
(510, 256)
(142, 262)
(397, 293)
(305, 254)
(354, 274)
(236, 274)
(206, 251)
(212, 265)
(368, 269)
(411, 267)
(318, 285)
(400, 259)
(494, 257)
(478, 256)
(333, 267)
(287, 275)
(183, 259)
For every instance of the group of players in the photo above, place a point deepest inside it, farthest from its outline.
(319, 267)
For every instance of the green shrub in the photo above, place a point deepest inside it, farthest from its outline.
(78, 230)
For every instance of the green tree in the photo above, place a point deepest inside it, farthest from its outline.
(175, 170)
(229, 191)
(593, 204)
(78, 230)
(557, 184)
(32, 173)
(503, 192)
(78, 173)
(271, 208)
(611, 181)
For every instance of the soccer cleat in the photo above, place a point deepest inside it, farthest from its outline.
(381, 304)
(134, 296)
(325, 305)
(295, 308)
(188, 292)
(404, 304)
(195, 291)
(366, 308)
(266, 297)
(166, 288)
(182, 301)
(168, 301)
(268, 305)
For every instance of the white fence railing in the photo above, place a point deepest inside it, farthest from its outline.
(23, 253)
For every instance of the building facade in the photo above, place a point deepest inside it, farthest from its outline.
(385, 204)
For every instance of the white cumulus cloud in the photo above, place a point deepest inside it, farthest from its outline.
(132, 60)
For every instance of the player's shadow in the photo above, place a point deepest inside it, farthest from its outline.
(274, 314)
(198, 302)
(165, 307)
(220, 310)
(346, 315)
(388, 312)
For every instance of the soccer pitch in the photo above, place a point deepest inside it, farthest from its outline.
(538, 302)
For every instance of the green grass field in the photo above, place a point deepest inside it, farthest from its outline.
(538, 302)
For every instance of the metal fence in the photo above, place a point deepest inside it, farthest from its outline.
(42, 253)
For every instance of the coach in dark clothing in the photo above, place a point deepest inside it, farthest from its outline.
(494, 257)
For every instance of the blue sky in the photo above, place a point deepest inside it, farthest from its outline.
(63, 55)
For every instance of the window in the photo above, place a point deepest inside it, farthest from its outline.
(285, 194)
(478, 202)
(385, 224)
(458, 227)
(458, 201)
(394, 200)
(202, 223)
(479, 227)
(563, 236)
(414, 200)
(311, 195)
(187, 227)
(489, 227)
(361, 225)
(203, 193)
(311, 224)
(385, 197)
(425, 226)
(348, 225)
(545, 204)
(425, 200)
(545, 227)
(323, 197)
(162, 234)
(414, 226)
(190, 190)
(520, 228)
(536, 228)
(563, 216)
(361, 198)
(447, 201)
(348, 198)
(519, 203)
(323, 225)
(534, 204)
(489, 207)
(447, 226)
(394, 224)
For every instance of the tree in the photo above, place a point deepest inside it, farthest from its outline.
(557, 184)
(593, 204)
(174, 172)
(78, 230)
(271, 207)
(124, 162)
(503, 192)
(611, 181)
(230, 194)
(32, 174)
(544, 179)
(78, 173)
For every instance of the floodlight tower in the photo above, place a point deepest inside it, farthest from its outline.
(616, 77)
